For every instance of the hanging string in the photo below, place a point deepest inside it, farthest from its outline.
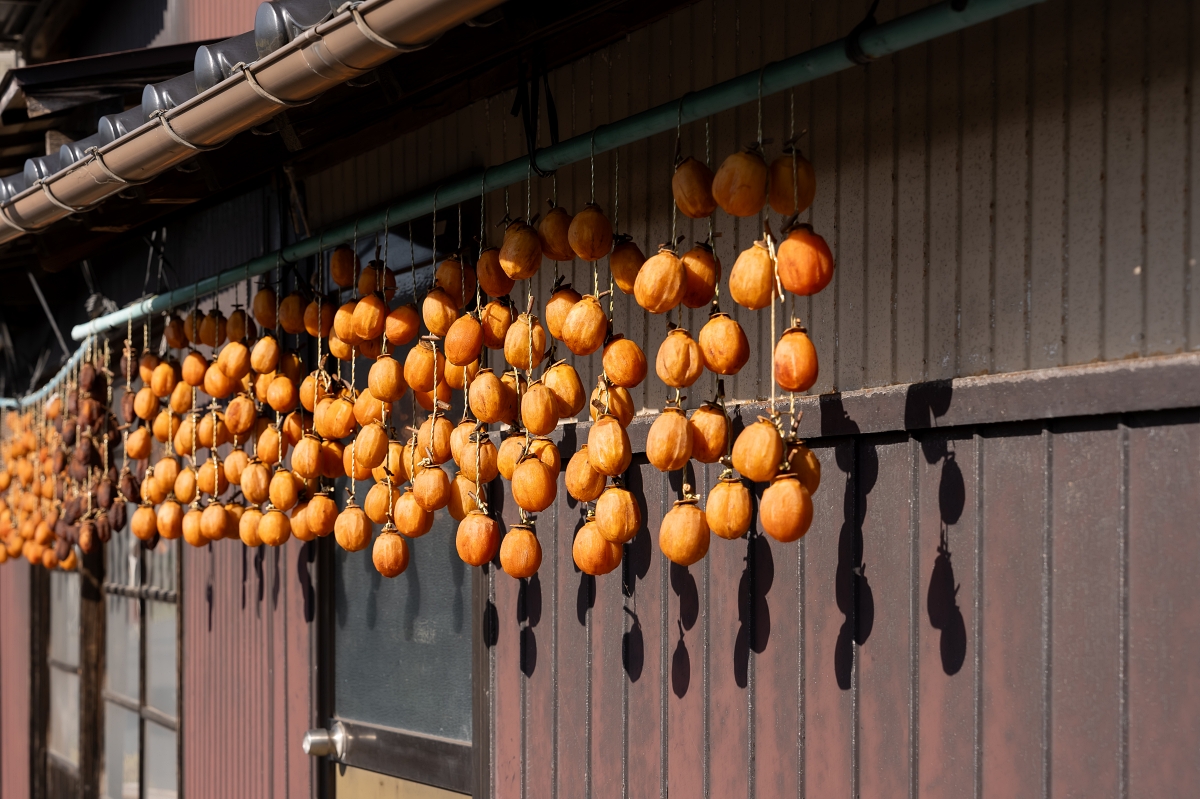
(616, 225)
(796, 208)
(776, 291)
(616, 192)
(354, 392)
(412, 261)
(130, 365)
(792, 140)
(412, 255)
(435, 210)
(478, 289)
(433, 394)
(278, 295)
(354, 255)
(320, 320)
(109, 375)
(193, 414)
(708, 162)
(678, 144)
(482, 215)
(592, 162)
(480, 500)
(381, 277)
(760, 104)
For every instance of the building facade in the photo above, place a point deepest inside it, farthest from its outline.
(995, 593)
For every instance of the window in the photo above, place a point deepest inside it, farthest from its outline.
(62, 731)
(141, 689)
(413, 631)
(400, 660)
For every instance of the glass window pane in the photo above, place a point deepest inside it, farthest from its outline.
(160, 656)
(158, 772)
(160, 565)
(413, 632)
(119, 778)
(121, 646)
(121, 555)
(62, 735)
(64, 617)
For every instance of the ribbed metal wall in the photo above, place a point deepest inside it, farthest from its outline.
(1016, 196)
(214, 19)
(134, 24)
(15, 679)
(247, 623)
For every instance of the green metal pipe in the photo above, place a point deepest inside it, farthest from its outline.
(882, 40)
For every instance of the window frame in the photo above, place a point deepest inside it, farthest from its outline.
(54, 665)
(426, 759)
(143, 592)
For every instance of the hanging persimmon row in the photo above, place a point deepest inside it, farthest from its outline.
(226, 432)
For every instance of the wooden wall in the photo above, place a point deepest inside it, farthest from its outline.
(989, 610)
(998, 610)
(1015, 196)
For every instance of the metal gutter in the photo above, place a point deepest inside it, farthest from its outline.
(882, 40)
(349, 44)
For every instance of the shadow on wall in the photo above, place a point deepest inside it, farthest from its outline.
(924, 404)
(858, 460)
(684, 586)
(635, 565)
(754, 613)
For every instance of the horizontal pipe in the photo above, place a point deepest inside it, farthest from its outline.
(880, 41)
(46, 390)
(324, 56)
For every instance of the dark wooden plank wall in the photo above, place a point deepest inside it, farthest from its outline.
(1016, 196)
(1002, 610)
(248, 623)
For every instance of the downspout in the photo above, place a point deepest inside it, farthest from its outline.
(877, 42)
(357, 39)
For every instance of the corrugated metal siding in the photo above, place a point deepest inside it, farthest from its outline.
(15, 677)
(157, 23)
(247, 623)
(215, 19)
(1016, 196)
(993, 611)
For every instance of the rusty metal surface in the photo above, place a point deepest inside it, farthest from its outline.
(247, 618)
(15, 677)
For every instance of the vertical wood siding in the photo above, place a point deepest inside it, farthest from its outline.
(247, 691)
(993, 611)
(15, 677)
(1016, 196)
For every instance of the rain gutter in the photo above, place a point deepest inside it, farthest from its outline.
(360, 37)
